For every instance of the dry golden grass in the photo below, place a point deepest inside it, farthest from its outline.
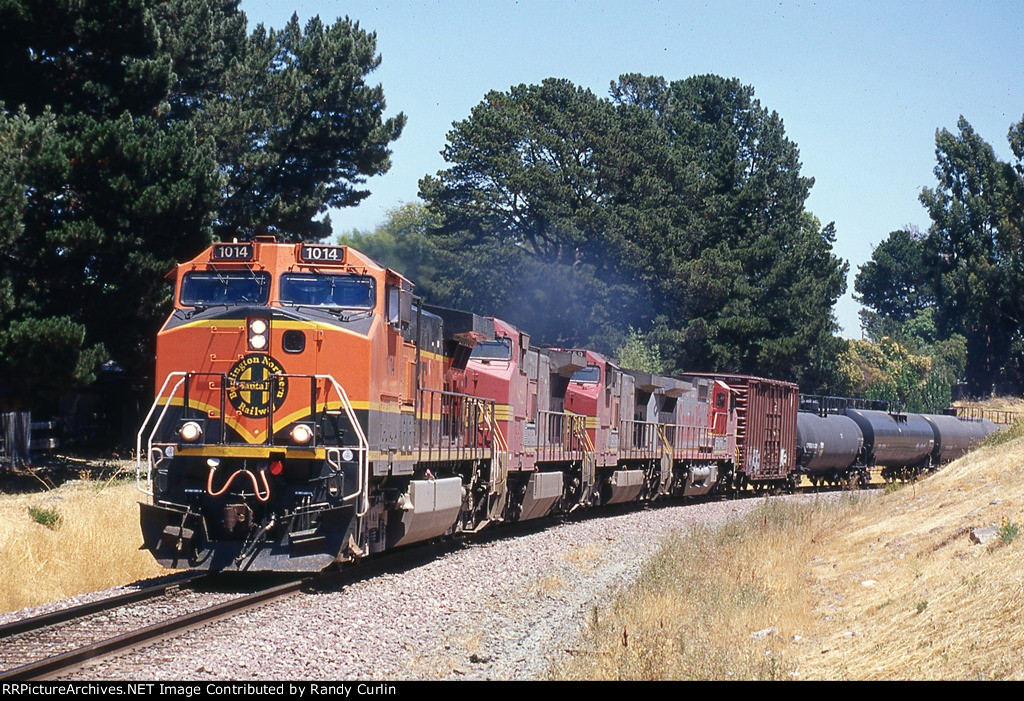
(995, 403)
(586, 558)
(940, 607)
(547, 585)
(95, 545)
(711, 605)
(887, 587)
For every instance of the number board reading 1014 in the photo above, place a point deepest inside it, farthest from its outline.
(310, 253)
(233, 251)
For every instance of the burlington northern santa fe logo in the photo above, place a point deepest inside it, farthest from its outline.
(252, 390)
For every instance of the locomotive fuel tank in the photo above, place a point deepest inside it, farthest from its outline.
(894, 440)
(955, 437)
(826, 444)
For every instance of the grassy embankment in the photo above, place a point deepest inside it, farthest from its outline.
(82, 536)
(882, 587)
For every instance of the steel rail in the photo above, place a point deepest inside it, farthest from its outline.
(87, 609)
(50, 666)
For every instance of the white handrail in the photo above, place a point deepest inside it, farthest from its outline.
(149, 442)
(363, 482)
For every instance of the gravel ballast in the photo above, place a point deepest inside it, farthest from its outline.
(500, 609)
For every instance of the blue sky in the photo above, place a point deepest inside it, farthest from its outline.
(861, 86)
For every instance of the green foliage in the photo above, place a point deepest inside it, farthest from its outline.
(677, 207)
(637, 353)
(1008, 530)
(891, 487)
(526, 221)
(894, 283)
(46, 356)
(564, 303)
(402, 243)
(917, 381)
(131, 133)
(105, 191)
(977, 248)
(969, 267)
(1005, 434)
(203, 39)
(297, 128)
(50, 518)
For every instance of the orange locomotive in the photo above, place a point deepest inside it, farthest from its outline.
(310, 411)
(302, 415)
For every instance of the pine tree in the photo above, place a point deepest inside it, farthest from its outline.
(133, 132)
(676, 207)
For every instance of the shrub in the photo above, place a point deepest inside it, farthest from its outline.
(1005, 435)
(1008, 530)
(50, 518)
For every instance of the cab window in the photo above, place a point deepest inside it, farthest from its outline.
(203, 288)
(345, 291)
(589, 374)
(498, 349)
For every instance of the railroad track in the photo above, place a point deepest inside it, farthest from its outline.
(44, 646)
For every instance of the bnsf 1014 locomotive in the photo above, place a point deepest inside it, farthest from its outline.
(309, 411)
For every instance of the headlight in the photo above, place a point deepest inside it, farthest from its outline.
(302, 434)
(346, 455)
(190, 431)
(259, 335)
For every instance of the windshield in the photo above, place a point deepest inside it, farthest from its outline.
(235, 287)
(591, 373)
(347, 291)
(501, 349)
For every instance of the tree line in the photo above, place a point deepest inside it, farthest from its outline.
(664, 222)
(675, 209)
(958, 288)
